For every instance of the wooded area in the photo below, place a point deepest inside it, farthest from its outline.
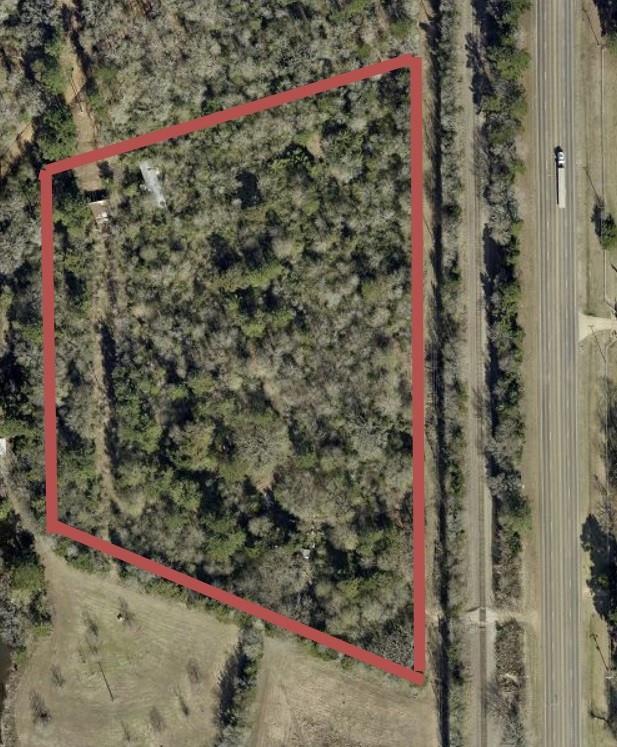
(449, 395)
(22, 587)
(257, 360)
(502, 99)
(205, 431)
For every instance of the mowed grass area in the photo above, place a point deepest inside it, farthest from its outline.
(145, 660)
(305, 701)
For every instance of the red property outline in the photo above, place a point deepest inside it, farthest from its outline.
(54, 525)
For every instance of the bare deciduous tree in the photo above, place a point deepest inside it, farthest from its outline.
(156, 719)
(40, 711)
(56, 676)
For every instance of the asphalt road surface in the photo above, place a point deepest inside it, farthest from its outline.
(560, 553)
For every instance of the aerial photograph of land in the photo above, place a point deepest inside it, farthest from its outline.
(308, 407)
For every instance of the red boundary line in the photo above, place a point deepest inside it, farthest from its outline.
(54, 525)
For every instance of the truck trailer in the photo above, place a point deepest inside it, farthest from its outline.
(560, 168)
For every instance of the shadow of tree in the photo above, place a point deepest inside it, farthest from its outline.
(596, 217)
(602, 548)
(607, 11)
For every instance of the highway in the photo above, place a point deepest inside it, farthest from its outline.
(560, 706)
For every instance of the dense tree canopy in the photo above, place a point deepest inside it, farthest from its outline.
(257, 358)
(247, 420)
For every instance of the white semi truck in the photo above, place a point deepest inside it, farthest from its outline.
(560, 168)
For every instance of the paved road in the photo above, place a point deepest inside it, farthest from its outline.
(560, 554)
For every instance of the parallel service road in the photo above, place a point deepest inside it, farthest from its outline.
(560, 554)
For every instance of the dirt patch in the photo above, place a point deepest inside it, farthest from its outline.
(99, 677)
(304, 701)
(87, 176)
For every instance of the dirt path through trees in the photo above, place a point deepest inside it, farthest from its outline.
(88, 176)
(99, 311)
(482, 631)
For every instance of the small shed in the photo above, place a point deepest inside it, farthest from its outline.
(153, 184)
(100, 212)
(2, 447)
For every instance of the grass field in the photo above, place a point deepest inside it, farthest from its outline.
(304, 701)
(145, 661)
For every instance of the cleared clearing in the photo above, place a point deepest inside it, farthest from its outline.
(145, 663)
(305, 701)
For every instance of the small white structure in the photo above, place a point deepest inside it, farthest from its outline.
(153, 184)
(99, 210)
(306, 553)
(2, 447)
